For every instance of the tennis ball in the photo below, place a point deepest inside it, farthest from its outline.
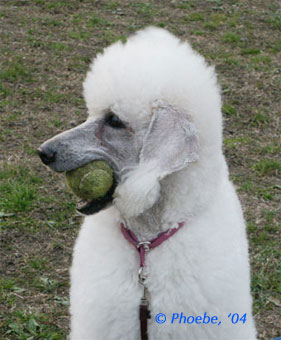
(90, 181)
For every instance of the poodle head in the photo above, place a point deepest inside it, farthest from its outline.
(154, 108)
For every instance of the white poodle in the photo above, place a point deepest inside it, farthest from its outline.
(155, 116)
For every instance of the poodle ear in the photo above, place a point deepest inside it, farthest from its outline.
(171, 140)
(169, 145)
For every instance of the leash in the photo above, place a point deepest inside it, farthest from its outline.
(142, 249)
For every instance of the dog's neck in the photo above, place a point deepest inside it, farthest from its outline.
(147, 225)
(162, 216)
(178, 202)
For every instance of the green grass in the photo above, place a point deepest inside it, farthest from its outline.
(276, 46)
(230, 38)
(50, 22)
(38, 263)
(51, 96)
(19, 187)
(80, 35)
(145, 9)
(268, 275)
(250, 51)
(112, 5)
(185, 4)
(58, 46)
(236, 142)
(229, 110)
(15, 71)
(110, 37)
(262, 59)
(268, 193)
(271, 149)
(95, 21)
(274, 21)
(267, 166)
(260, 118)
(195, 16)
(25, 326)
(4, 91)
(56, 122)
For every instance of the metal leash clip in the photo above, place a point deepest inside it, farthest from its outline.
(142, 276)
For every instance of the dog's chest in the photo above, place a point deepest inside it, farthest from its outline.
(105, 293)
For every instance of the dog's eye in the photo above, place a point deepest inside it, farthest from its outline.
(112, 120)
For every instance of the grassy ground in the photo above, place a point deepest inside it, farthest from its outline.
(46, 48)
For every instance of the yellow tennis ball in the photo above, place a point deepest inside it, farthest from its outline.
(90, 181)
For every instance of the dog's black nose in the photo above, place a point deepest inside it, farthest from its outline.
(47, 156)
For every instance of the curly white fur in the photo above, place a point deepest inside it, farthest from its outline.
(204, 267)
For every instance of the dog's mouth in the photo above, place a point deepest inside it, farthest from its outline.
(90, 207)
